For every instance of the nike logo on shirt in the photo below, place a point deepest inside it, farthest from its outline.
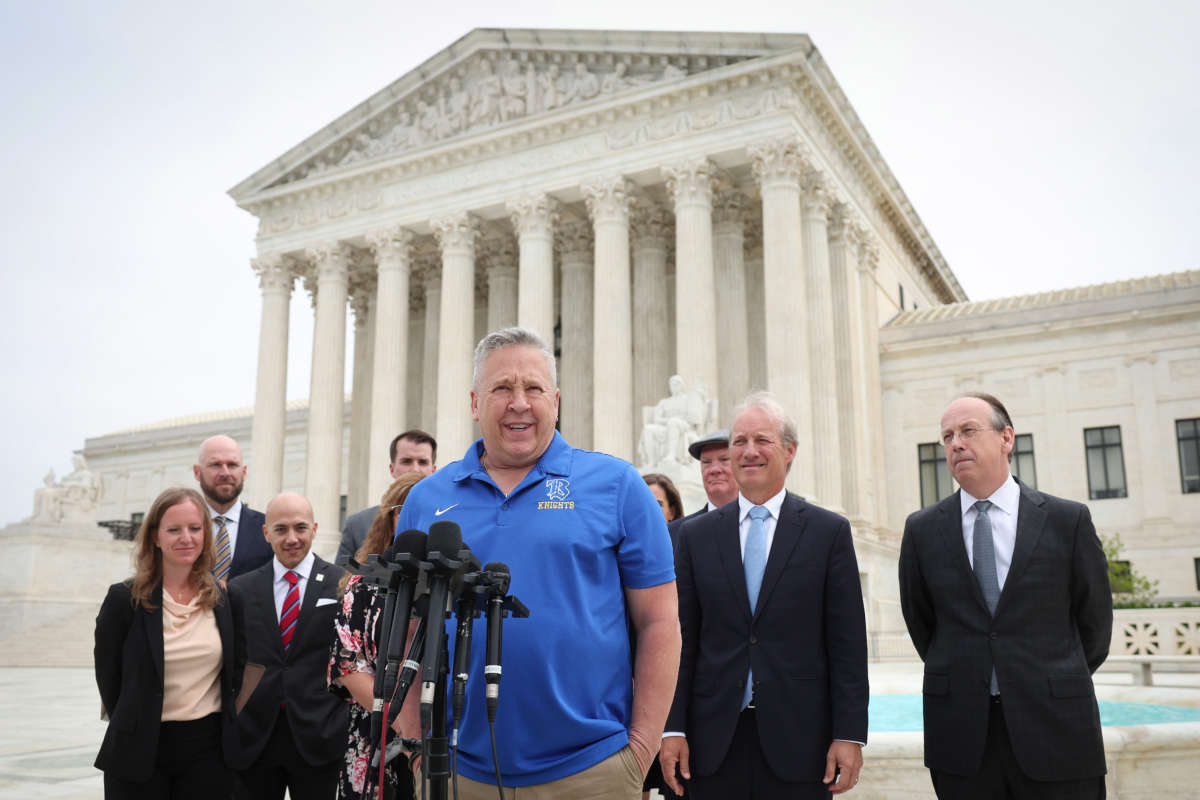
(439, 511)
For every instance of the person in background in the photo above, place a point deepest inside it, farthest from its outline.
(666, 494)
(222, 475)
(352, 659)
(164, 659)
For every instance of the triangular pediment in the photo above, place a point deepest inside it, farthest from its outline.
(496, 77)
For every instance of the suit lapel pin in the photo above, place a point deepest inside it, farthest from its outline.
(320, 577)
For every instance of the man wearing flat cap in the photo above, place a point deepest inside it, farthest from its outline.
(712, 451)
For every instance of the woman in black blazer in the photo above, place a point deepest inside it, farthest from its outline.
(164, 661)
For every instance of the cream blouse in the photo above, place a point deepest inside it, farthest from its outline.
(191, 661)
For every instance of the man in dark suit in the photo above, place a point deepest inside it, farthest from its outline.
(712, 451)
(411, 451)
(772, 694)
(292, 732)
(221, 474)
(1005, 593)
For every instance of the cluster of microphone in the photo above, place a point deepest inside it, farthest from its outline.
(427, 578)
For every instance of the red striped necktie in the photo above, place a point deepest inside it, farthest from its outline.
(291, 610)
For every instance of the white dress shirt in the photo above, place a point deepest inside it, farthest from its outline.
(234, 515)
(773, 505)
(281, 585)
(1003, 516)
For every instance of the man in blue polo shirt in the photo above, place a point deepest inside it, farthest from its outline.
(584, 540)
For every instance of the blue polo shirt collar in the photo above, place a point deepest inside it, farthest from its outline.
(555, 461)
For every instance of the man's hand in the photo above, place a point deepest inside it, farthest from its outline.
(642, 749)
(848, 757)
(675, 752)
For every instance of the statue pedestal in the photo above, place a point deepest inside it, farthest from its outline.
(55, 576)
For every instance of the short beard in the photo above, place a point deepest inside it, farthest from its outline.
(211, 492)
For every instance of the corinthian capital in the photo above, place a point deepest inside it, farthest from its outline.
(392, 247)
(574, 236)
(781, 158)
(496, 246)
(868, 252)
(815, 194)
(331, 260)
(691, 181)
(274, 272)
(609, 199)
(650, 223)
(456, 231)
(533, 213)
(729, 207)
(845, 225)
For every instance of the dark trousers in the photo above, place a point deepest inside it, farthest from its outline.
(188, 765)
(1000, 777)
(280, 767)
(745, 774)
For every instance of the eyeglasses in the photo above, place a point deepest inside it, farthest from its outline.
(965, 434)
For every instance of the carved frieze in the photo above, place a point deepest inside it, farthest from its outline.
(494, 88)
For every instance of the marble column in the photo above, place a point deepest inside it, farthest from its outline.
(575, 373)
(265, 475)
(389, 385)
(327, 398)
(872, 439)
(498, 255)
(755, 299)
(814, 216)
(778, 165)
(429, 359)
(849, 367)
(690, 182)
(729, 263)
(456, 332)
(608, 202)
(362, 302)
(533, 217)
(1149, 437)
(651, 363)
(416, 357)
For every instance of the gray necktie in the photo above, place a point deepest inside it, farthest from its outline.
(985, 565)
(754, 562)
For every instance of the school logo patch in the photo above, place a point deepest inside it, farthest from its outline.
(557, 492)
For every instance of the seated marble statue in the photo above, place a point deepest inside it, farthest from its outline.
(674, 423)
(71, 498)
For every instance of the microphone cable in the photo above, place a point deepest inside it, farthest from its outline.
(495, 758)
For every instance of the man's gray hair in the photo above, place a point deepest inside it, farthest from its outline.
(766, 402)
(511, 337)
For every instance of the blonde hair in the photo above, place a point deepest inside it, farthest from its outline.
(383, 527)
(147, 557)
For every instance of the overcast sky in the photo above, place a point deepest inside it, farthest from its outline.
(1044, 145)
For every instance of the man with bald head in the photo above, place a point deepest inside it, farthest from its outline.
(291, 735)
(221, 474)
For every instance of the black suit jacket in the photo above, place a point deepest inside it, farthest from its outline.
(806, 640)
(317, 717)
(1051, 630)
(675, 525)
(251, 550)
(129, 673)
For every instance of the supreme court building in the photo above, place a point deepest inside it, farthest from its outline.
(705, 205)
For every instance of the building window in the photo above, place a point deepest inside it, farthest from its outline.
(935, 475)
(1022, 460)
(136, 518)
(341, 512)
(1196, 566)
(1187, 433)
(1105, 462)
(901, 286)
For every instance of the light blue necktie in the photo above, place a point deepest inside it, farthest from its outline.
(754, 561)
(985, 565)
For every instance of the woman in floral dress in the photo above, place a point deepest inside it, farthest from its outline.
(352, 662)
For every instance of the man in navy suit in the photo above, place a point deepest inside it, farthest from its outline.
(771, 701)
(712, 451)
(292, 733)
(1005, 593)
(237, 528)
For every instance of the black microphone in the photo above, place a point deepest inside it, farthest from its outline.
(393, 578)
(497, 577)
(407, 550)
(440, 563)
(466, 613)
